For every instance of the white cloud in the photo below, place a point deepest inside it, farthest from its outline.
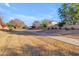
(28, 20)
(24, 17)
(10, 17)
(7, 4)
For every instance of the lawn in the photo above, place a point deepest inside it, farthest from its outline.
(23, 43)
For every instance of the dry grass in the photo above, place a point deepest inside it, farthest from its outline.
(16, 45)
(60, 44)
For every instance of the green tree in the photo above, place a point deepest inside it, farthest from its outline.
(45, 23)
(10, 26)
(60, 24)
(69, 13)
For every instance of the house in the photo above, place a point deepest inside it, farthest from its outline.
(52, 25)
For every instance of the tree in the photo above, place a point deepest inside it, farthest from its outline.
(69, 13)
(45, 23)
(17, 23)
(36, 24)
(1, 21)
(11, 27)
(60, 24)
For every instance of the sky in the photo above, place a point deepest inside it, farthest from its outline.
(30, 12)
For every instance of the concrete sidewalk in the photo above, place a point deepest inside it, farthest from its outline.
(65, 39)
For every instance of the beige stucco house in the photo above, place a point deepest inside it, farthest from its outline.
(52, 25)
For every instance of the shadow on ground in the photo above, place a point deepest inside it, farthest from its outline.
(23, 32)
(29, 50)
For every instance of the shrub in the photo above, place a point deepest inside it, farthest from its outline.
(72, 28)
(66, 28)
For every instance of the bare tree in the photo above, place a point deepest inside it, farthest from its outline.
(36, 24)
(17, 23)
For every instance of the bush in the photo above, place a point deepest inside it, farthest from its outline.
(55, 27)
(52, 28)
(48, 28)
(60, 28)
(11, 27)
(72, 28)
(67, 29)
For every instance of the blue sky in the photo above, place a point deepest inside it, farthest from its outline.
(29, 12)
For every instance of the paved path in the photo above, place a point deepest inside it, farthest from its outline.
(65, 39)
(61, 38)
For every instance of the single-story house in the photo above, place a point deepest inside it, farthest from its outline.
(53, 25)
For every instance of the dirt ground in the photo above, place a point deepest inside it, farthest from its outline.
(24, 43)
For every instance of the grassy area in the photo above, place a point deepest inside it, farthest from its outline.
(29, 44)
(59, 44)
